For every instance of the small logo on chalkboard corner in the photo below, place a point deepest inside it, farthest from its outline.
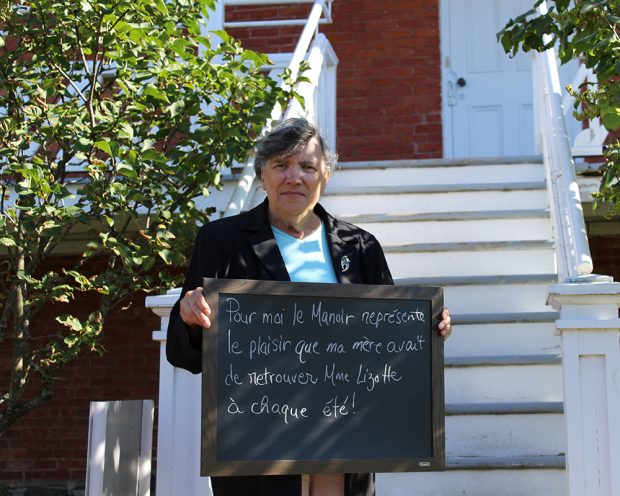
(345, 263)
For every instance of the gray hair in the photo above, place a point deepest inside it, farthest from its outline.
(290, 137)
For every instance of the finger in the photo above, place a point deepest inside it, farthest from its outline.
(198, 315)
(445, 323)
(199, 299)
(445, 330)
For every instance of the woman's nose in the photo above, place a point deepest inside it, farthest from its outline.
(293, 173)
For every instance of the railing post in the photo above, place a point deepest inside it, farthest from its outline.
(178, 427)
(590, 331)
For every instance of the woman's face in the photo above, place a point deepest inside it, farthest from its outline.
(294, 184)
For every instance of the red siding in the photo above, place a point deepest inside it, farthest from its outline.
(389, 95)
(605, 252)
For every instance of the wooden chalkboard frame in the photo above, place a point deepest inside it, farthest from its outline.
(210, 465)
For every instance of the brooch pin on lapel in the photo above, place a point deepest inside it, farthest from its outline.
(345, 263)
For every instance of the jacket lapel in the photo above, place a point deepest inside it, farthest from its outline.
(263, 243)
(343, 248)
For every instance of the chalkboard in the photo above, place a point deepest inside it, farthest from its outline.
(307, 378)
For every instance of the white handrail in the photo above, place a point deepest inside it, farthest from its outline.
(244, 186)
(572, 249)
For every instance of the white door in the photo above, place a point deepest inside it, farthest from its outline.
(487, 96)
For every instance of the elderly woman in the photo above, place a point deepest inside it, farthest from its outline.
(289, 237)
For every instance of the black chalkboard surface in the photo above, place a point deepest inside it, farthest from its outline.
(307, 378)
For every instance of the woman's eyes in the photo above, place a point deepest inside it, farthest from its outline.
(305, 168)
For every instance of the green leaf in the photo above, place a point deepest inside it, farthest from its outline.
(258, 58)
(176, 108)
(104, 146)
(611, 119)
(81, 279)
(156, 93)
(126, 131)
(72, 341)
(161, 6)
(126, 170)
(225, 37)
(70, 322)
(154, 155)
(166, 256)
(7, 242)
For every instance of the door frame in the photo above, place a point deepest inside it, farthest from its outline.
(447, 121)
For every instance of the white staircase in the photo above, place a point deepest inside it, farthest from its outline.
(482, 231)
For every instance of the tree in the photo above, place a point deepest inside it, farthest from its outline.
(588, 29)
(114, 116)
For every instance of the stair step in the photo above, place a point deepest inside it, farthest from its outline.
(502, 379)
(464, 230)
(509, 462)
(505, 318)
(505, 435)
(399, 189)
(440, 162)
(469, 246)
(489, 361)
(463, 174)
(471, 259)
(550, 278)
(503, 339)
(504, 408)
(447, 216)
(497, 299)
(491, 294)
(380, 202)
(505, 429)
(481, 476)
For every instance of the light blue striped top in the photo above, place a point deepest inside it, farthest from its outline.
(306, 260)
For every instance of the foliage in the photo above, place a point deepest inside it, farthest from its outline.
(115, 115)
(588, 29)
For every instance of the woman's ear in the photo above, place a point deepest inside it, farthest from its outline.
(327, 174)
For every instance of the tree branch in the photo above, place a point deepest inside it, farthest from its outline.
(12, 412)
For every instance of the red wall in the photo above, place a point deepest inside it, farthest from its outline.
(605, 252)
(389, 80)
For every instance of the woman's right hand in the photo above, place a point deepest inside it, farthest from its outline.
(194, 308)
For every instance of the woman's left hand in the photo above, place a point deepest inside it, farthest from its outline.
(445, 326)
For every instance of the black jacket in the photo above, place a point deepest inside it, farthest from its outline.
(243, 247)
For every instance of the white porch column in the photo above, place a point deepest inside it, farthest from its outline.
(590, 331)
(178, 427)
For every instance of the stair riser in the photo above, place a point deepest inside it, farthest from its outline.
(484, 262)
(497, 298)
(434, 202)
(470, 230)
(474, 483)
(438, 175)
(505, 435)
(499, 383)
(503, 340)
